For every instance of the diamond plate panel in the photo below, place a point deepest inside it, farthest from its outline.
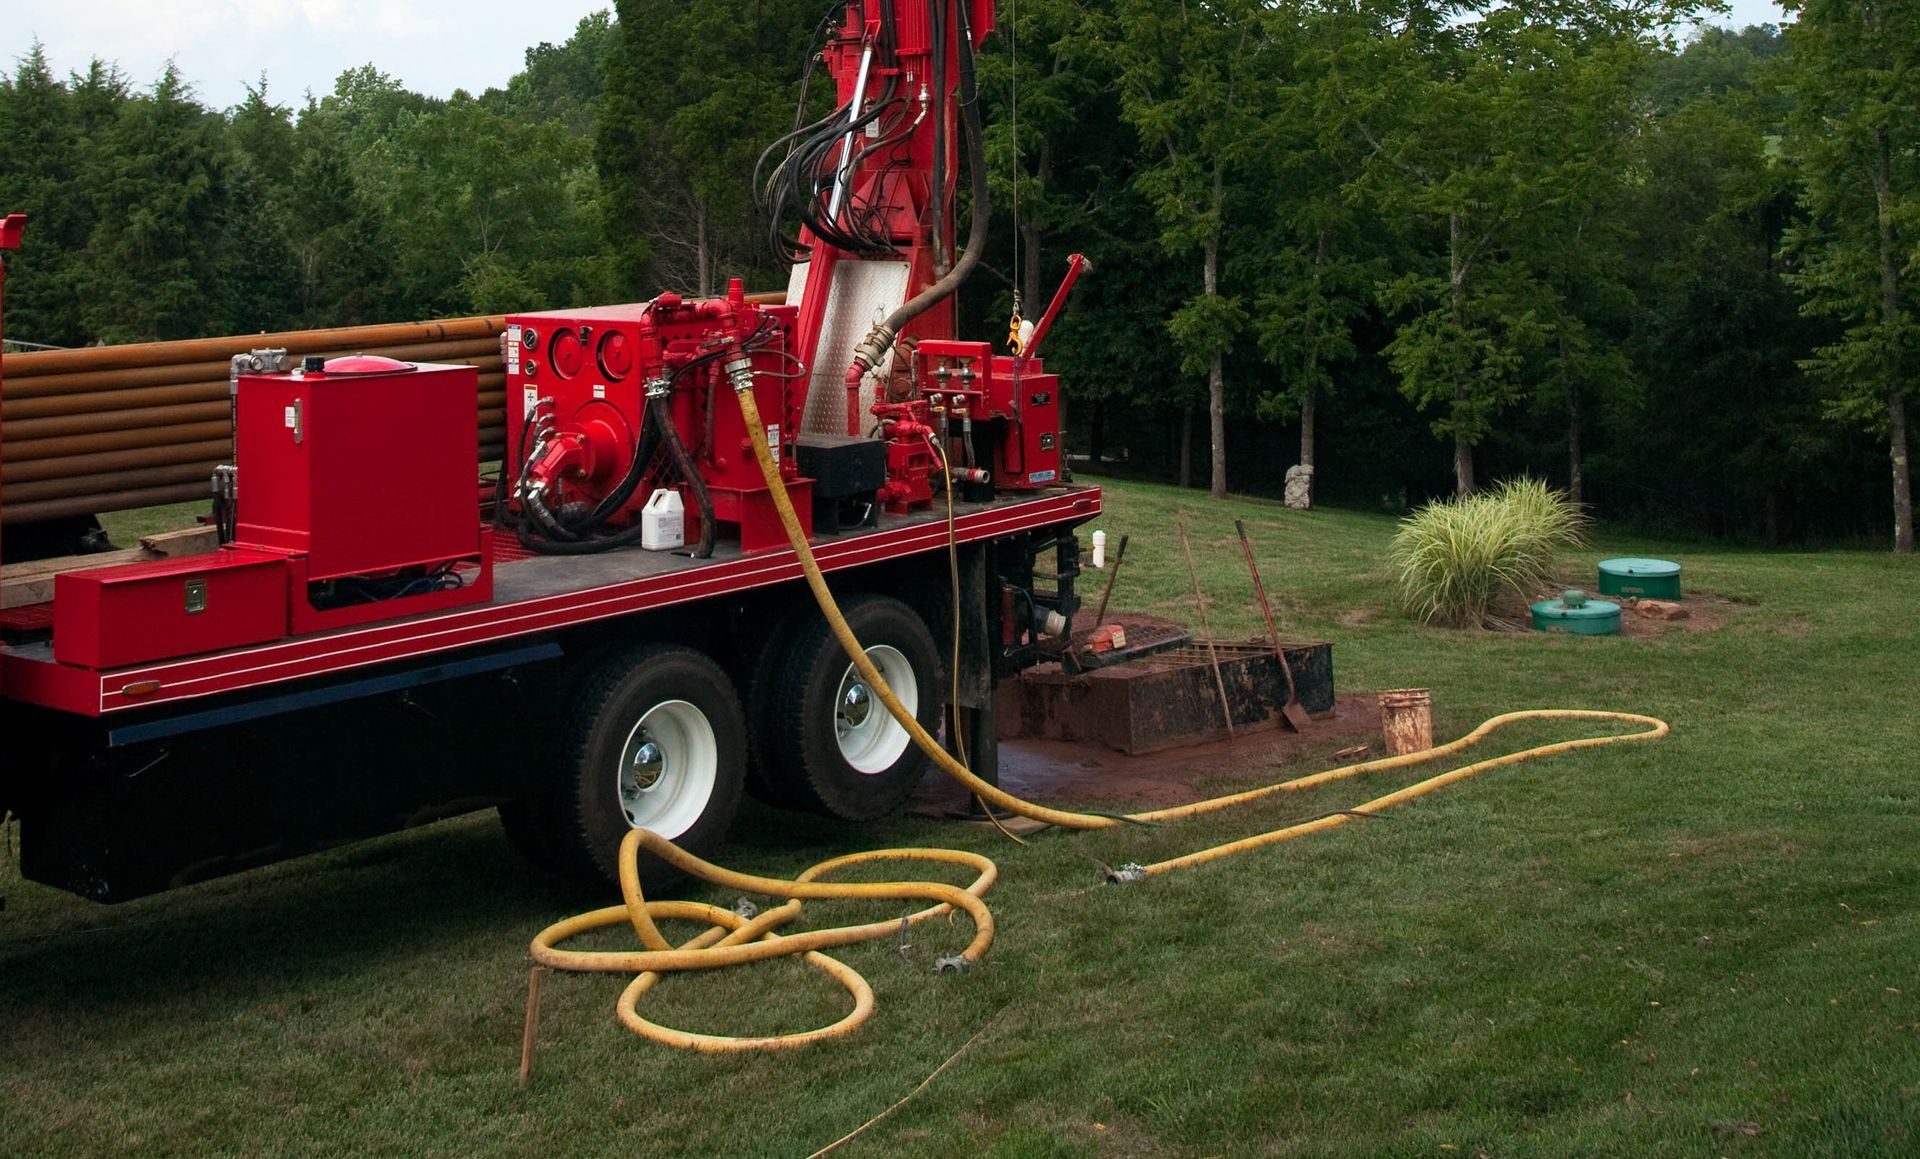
(864, 292)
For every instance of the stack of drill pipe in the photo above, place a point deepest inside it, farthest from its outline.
(110, 428)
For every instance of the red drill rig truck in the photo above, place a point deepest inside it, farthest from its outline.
(611, 634)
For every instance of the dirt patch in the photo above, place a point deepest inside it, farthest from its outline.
(1061, 773)
(1357, 618)
(1705, 612)
(1700, 618)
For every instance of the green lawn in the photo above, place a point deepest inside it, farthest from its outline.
(1704, 946)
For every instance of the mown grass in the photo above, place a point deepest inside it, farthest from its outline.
(1705, 946)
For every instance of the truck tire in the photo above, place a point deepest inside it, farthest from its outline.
(759, 682)
(655, 739)
(833, 746)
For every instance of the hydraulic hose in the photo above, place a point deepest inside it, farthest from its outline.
(683, 464)
(735, 938)
(874, 347)
(655, 418)
(937, 67)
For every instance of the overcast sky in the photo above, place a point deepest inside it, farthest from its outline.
(432, 46)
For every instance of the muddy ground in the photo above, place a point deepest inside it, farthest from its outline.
(1064, 773)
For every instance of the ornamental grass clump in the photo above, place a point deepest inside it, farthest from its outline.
(1455, 560)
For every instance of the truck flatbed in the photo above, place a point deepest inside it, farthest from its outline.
(533, 594)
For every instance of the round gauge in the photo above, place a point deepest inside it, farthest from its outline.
(529, 338)
(616, 354)
(566, 353)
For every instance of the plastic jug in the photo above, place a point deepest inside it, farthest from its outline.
(663, 521)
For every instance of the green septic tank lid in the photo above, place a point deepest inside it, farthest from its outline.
(1640, 568)
(1649, 578)
(1576, 613)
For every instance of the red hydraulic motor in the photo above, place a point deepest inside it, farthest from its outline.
(622, 401)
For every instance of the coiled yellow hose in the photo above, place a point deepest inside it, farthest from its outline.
(732, 939)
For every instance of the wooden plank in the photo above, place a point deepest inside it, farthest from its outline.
(25, 584)
(26, 592)
(197, 540)
(62, 563)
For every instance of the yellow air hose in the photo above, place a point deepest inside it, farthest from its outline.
(732, 938)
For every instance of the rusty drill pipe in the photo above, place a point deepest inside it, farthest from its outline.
(109, 462)
(111, 427)
(66, 488)
(25, 450)
(57, 426)
(222, 349)
(93, 504)
(94, 402)
(31, 385)
(19, 431)
(144, 398)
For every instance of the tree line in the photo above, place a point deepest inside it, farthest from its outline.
(1412, 245)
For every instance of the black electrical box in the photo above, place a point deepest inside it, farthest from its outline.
(846, 472)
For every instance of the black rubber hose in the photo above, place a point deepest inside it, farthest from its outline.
(977, 163)
(648, 443)
(683, 464)
(502, 515)
(937, 34)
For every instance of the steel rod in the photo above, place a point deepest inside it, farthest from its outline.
(1200, 601)
(1113, 577)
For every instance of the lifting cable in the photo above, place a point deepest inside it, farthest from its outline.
(733, 938)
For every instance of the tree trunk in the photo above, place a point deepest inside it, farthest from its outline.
(1890, 262)
(701, 253)
(1462, 466)
(1902, 475)
(1216, 379)
(1308, 405)
(1576, 432)
(1457, 282)
(1217, 415)
(1310, 360)
(1186, 445)
(1034, 239)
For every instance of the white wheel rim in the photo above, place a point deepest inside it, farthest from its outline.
(870, 739)
(668, 768)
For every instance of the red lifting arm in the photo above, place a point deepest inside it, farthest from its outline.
(1076, 265)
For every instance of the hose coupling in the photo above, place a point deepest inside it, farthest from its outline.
(1132, 873)
(957, 964)
(659, 387)
(873, 347)
(740, 369)
(745, 908)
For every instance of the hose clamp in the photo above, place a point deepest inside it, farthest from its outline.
(1132, 873)
(659, 387)
(740, 369)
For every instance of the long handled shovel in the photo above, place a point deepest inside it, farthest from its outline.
(1200, 603)
(1296, 715)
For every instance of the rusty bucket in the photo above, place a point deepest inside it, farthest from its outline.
(1406, 717)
